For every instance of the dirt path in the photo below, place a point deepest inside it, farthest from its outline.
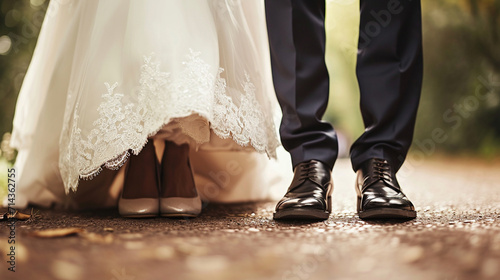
(456, 236)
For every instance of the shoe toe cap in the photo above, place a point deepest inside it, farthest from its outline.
(388, 202)
(299, 202)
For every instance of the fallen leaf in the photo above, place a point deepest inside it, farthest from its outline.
(57, 232)
(17, 215)
(21, 216)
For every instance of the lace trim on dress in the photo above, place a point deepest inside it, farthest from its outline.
(123, 128)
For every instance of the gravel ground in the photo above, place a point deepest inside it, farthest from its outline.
(456, 236)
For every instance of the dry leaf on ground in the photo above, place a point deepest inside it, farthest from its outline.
(21, 216)
(57, 232)
(17, 215)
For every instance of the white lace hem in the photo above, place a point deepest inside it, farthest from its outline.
(122, 129)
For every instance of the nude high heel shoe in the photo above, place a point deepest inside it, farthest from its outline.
(139, 198)
(178, 195)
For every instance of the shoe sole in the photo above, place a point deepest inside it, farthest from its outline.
(136, 216)
(185, 215)
(301, 214)
(387, 214)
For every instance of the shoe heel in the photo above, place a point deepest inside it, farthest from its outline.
(141, 185)
(329, 204)
(358, 204)
(176, 177)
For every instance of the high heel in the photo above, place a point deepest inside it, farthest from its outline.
(138, 207)
(139, 198)
(178, 195)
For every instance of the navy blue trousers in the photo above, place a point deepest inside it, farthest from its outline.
(389, 71)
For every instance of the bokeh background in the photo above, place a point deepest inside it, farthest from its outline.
(461, 91)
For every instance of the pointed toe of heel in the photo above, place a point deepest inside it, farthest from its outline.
(138, 207)
(180, 207)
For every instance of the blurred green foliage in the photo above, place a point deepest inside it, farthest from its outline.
(460, 104)
(342, 23)
(461, 93)
(4, 167)
(20, 22)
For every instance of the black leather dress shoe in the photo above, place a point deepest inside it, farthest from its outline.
(379, 194)
(309, 194)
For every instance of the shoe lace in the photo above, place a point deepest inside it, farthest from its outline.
(382, 170)
(308, 170)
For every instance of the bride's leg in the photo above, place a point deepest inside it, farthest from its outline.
(178, 197)
(140, 190)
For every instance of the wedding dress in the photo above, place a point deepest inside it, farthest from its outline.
(107, 75)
